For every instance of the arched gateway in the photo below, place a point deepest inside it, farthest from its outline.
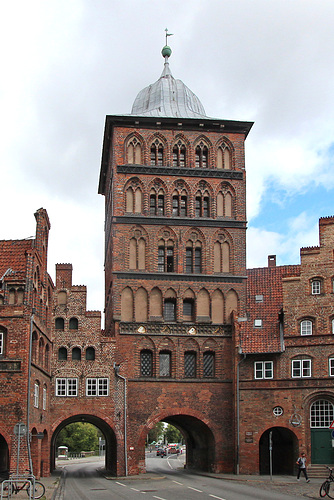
(109, 435)
(284, 451)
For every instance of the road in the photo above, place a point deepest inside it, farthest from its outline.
(166, 480)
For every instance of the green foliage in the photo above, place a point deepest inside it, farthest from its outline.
(156, 434)
(79, 436)
(173, 435)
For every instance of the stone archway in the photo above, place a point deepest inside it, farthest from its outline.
(200, 442)
(284, 451)
(107, 431)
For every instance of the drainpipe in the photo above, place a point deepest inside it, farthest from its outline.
(28, 391)
(116, 368)
(238, 409)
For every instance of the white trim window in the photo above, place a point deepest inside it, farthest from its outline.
(316, 287)
(306, 327)
(1, 342)
(263, 369)
(67, 387)
(333, 325)
(36, 394)
(331, 367)
(44, 398)
(301, 368)
(97, 387)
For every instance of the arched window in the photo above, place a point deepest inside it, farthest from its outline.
(2, 341)
(188, 309)
(193, 257)
(146, 363)
(62, 354)
(141, 305)
(11, 297)
(201, 156)
(179, 155)
(76, 354)
(133, 201)
(203, 305)
(316, 287)
(170, 306)
(217, 306)
(20, 295)
(47, 357)
(137, 250)
(180, 203)
(157, 203)
(231, 305)
(134, 152)
(224, 157)
(190, 364)
(221, 257)
(62, 298)
(202, 205)
(209, 364)
(165, 367)
(36, 394)
(127, 305)
(155, 304)
(90, 354)
(59, 323)
(157, 153)
(166, 256)
(321, 414)
(40, 351)
(34, 346)
(73, 324)
(306, 327)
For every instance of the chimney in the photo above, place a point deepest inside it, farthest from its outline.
(271, 260)
(63, 275)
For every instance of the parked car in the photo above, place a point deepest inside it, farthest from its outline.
(161, 452)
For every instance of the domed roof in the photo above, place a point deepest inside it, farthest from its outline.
(168, 97)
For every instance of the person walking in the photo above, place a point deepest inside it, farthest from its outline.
(301, 462)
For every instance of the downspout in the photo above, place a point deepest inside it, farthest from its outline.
(116, 368)
(238, 409)
(28, 391)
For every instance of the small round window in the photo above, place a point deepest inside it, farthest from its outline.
(277, 411)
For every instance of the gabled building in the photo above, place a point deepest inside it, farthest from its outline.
(25, 350)
(287, 361)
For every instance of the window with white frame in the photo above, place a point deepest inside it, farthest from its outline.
(97, 387)
(66, 387)
(331, 367)
(263, 369)
(1, 342)
(333, 325)
(44, 398)
(306, 327)
(316, 287)
(301, 368)
(36, 395)
(321, 414)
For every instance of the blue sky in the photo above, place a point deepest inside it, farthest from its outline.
(66, 64)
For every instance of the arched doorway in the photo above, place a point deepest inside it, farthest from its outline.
(107, 431)
(321, 417)
(284, 451)
(4, 455)
(199, 440)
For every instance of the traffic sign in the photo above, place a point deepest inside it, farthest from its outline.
(20, 429)
(332, 425)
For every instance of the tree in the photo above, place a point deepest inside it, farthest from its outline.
(173, 435)
(156, 434)
(79, 436)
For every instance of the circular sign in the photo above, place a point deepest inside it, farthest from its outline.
(20, 429)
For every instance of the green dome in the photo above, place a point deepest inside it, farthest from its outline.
(166, 51)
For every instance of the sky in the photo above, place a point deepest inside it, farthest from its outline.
(66, 64)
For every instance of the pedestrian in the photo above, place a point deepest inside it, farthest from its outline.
(301, 462)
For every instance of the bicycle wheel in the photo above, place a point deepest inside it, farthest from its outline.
(323, 489)
(328, 488)
(39, 490)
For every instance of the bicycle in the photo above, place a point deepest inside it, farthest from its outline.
(325, 487)
(16, 484)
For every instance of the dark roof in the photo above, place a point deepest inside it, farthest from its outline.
(267, 282)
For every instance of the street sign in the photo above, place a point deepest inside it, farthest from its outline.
(20, 429)
(332, 425)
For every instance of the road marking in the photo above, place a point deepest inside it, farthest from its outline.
(195, 489)
(134, 489)
(159, 498)
(214, 496)
(121, 484)
(178, 483)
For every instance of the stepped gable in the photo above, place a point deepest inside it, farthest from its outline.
(265, 282)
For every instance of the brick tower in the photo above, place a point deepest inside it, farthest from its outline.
(175, 230)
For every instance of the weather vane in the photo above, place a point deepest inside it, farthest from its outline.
(167, 35)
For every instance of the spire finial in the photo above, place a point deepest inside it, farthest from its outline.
(167, 35)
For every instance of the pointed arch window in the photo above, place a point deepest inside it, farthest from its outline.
(166, 257)
(157, 203)
(193, 258)
(209, 364)
(201, 156)
(224, 157)
(157, 153)
(165, 364)
(170, 309)
(134, 152)
(179, 155)
(202, 205)
(146, 363)
(179, 204)
(190, 364)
